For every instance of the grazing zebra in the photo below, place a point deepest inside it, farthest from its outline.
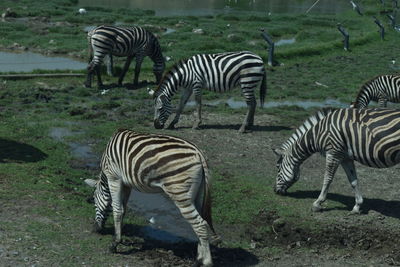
(369, 136)
(217, 72)
(155, 163)
(382, 89)
(130, 42)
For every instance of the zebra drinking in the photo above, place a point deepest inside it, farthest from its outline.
(369, 136)
(217, 72)
(382, 89)
(133, 42)
(155, 163)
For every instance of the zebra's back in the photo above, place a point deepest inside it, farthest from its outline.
(149, 162)
(119, 41)
(223, 71)
(372, 136)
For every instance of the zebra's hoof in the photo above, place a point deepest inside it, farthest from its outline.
(197, 263)
(113, 248)
(355, 212)
(171, 126)
(316, 208)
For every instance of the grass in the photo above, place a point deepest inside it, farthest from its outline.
(46, 177)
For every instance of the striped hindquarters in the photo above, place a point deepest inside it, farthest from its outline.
(117, 41)
(147, 162)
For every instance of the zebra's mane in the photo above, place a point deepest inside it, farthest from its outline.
(170, 72)
(307, 124)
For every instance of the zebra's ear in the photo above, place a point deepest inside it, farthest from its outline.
(150, 91)
(91, 182)
(277, 151)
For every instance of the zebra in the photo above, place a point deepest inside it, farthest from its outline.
(155, 163)
(134, 42)
(368, 136)
(217, 72)
(382, 89)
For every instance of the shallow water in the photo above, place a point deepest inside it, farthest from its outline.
(165, 221)
(285, 42)
(28, 61)
(212, 7)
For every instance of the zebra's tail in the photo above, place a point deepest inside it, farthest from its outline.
(90, 48)
(206, 205)
(263, 89)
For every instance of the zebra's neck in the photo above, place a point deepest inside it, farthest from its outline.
(178, 76)
(302, 143)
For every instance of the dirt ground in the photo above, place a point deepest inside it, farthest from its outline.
(369, 239)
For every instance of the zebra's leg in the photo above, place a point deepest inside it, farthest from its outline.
(249, 120)
(382, 102)
(184, 196)
(197, 97)
(350, 170)
(110, 65)
(98, 72)
(125, 69)
(332, 164)
(187, 92)
(119, 195)
(139, 60)
(89, 77)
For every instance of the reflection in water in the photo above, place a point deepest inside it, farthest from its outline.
(27, 61)
(211, 7)
(165, 221)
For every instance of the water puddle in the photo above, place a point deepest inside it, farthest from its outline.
(271, 104)
(80, 152)
(285, 42)
(28, 61)
(165, 221)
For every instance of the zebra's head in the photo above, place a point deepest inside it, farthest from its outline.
(288, 172)
(102, 201)
(162, 108)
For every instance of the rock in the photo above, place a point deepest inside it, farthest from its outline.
(198, 31)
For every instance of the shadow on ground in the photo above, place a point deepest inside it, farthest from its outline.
(177, 253)
(12, 151)
(255, 128)
(128, 86)
(390, 208)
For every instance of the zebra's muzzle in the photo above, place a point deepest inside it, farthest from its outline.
(157, 124)
(280, 190)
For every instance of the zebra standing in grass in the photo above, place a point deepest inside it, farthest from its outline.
(217, 72)
(369, 136)
(382, 89)
(155, 163)
(130, 42)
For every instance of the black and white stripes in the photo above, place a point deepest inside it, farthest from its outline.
(155, 163)
(383, 89)
(217, 72)
(369, 136)
(132, 42)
